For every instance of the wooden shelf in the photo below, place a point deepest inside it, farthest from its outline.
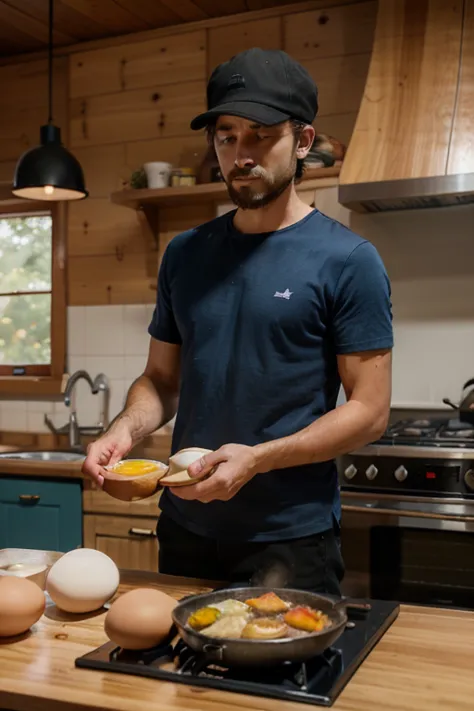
(148, 202)
(209, 192)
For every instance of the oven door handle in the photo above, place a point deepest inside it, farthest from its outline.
(405, 513)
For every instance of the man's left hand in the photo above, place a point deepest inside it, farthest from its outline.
(236, 464)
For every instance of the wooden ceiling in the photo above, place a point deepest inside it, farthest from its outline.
(24, 23)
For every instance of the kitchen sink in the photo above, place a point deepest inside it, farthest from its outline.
(44, 456)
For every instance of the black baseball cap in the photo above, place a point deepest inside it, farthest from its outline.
(262, 85)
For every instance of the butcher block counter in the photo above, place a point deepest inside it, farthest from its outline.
(424, 662)
(153, 447)
(42, 469)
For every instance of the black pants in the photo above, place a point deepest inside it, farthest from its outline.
(310, 563)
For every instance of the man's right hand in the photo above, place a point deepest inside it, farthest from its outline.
(107, 450)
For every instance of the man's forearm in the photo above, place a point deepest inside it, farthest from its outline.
(349, 426)
(148, 407)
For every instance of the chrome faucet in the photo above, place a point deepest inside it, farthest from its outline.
(99, 385)
(70, 401)
(69, 391)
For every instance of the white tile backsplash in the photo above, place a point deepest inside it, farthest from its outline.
(112, 340)
(76, 362)
(117, 398)
(15, 406)
(113, 366)
(35, 422)
(13, 420)
(136, 319)
(134, 366)
(105, 330)
(76, 330)
(40, 407)
(429, 257)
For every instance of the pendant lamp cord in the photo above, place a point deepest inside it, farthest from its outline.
(50, 63)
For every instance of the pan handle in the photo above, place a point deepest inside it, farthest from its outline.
(216, 651)
(346, 604)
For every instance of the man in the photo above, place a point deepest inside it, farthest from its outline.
(260, 315)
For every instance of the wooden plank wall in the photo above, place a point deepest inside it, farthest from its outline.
(133, 102)
(24, 108)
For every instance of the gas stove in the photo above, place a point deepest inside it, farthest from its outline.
(430, 433)
(425, 457)
(318, 681)
(408, 514)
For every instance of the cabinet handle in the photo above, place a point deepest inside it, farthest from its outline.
(142, 532)
(29, 498)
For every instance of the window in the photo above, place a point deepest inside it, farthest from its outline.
(32, 296)
(25, 294)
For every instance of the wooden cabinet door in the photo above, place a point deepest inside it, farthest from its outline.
(41, 514)
(130, 541)
(96, 501)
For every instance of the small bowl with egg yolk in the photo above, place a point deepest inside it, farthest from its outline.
(133, 479)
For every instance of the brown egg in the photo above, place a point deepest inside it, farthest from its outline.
(22, 603)
(139, 619)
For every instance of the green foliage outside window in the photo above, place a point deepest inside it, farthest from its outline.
(25, 266)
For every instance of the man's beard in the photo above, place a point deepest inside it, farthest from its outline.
(248, 197)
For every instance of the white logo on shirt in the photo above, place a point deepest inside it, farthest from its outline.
(283, 294)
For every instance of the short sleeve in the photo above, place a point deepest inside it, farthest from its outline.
(163, 325)
(362, 309)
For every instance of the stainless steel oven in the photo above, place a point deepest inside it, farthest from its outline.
(408, 514)
(407, 548)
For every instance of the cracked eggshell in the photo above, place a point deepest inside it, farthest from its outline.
(177, 474)
(131, 486)
(82, 580)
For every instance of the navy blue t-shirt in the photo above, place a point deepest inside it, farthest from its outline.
(260, 319)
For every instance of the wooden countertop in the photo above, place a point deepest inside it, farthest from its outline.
(6, 448)
(424, 662)
(155, 446)
(40, 469)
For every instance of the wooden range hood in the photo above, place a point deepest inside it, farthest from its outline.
(413, 142)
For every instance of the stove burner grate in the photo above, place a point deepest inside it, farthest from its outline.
(431, 433)
(317, 681)
(320, 671)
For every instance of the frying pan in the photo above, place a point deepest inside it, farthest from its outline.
(252, 652)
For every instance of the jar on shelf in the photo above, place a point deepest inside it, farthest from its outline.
(182, 177)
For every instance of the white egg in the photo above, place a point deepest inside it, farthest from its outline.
(82, 580)
(231, 607)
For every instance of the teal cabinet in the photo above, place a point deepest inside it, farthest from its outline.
(40, 513)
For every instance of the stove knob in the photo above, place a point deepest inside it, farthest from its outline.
(350, 472)
(371, 472)
(469, 479)
(401, 473)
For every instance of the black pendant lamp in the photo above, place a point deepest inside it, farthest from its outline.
(49, 171)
